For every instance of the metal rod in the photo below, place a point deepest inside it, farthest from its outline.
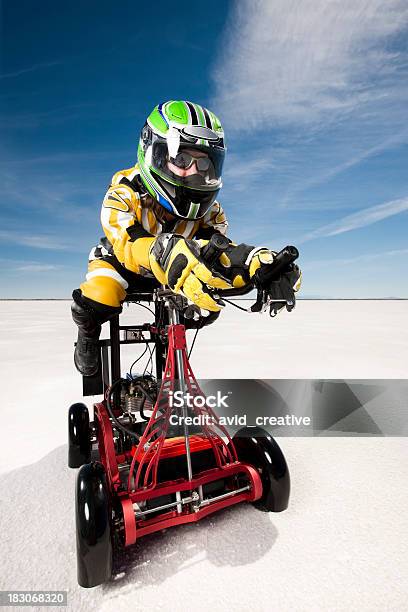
(115, 348)
(206, 502)
(189, 500)
(175, 320)
(105, 368)
(146, 341)
(186, 500)
(179, 506)
(160, 358)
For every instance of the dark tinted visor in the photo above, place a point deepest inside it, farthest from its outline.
(194, 166)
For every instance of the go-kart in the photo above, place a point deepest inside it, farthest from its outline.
(138, 472)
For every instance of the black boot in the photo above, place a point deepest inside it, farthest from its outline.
(86, 356)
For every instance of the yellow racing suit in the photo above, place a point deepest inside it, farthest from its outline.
(130, 226)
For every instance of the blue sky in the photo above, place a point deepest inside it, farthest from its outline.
(313, 96)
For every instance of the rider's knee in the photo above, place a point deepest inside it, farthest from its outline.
(84, 307)
(104, 290)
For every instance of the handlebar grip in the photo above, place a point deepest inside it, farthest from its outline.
(215, 247)
(267, 273)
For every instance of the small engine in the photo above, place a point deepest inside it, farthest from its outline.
(138, 394)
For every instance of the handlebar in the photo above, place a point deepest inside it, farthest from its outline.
(281, 262)
(215, 247)
(210, 253)
(264, 275)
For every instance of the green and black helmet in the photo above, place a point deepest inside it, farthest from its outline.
(180, 155)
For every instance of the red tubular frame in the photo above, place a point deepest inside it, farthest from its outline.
(154, 446)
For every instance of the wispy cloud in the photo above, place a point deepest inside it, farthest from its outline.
(52, 116)
(37, 241)
(360, 219)
(345, 261)
(34, 68)
(71, 197)
(322, 84)
(241, 170)
(12, 266)
(301, 61)
(326, 172)
(59, 157)
(36, 267)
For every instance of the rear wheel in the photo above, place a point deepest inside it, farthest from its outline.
(93, 526)
(79, 436)
(257, 447)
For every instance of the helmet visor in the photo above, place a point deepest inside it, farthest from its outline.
(194, 166)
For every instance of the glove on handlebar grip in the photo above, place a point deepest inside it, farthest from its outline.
(215, 247)
(270, 272)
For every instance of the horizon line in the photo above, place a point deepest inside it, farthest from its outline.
(322, 299)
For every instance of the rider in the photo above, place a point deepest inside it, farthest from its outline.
(156, 216)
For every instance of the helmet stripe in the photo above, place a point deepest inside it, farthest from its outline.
(186, 104)
(201, 120)
(164, 202)
(193, 113)
(207, 118)
(193, 210)
(159, 108)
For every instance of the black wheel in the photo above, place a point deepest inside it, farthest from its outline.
(93, 526)
(257, 447)
(79, 436)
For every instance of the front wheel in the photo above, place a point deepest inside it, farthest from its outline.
(79, 436)
(256, 447)
(93, 526)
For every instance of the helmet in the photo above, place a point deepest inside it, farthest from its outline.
(180, 155)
